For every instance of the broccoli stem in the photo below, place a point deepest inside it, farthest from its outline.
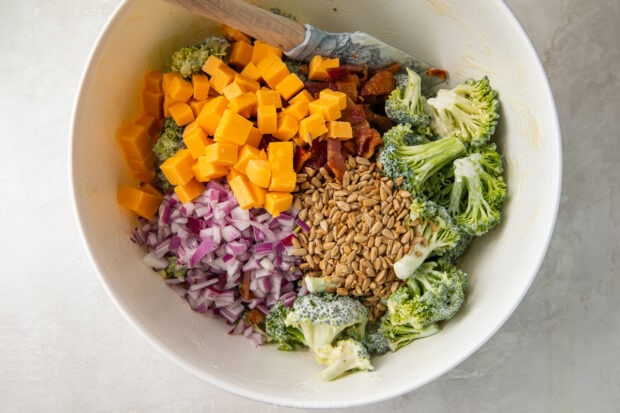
(428, 158)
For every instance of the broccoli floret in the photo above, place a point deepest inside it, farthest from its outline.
(434, 293)
(438, 187)
(403, 135)
(323, 317)
(478, 191)
(173, 270)
(405, 104)
(318, 284)
(189, 60)
(439, 236)
(416, 163)
(170, 140)
(287, 337)
(375, 341)
(469, 111)
(400, 335)
(347, 355)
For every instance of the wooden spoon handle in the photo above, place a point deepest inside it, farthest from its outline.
(259, 23)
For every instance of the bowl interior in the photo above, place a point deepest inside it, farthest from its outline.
(470, 40)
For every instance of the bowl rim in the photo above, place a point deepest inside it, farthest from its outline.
(245, 392)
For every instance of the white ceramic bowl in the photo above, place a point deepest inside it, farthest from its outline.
(469, 39)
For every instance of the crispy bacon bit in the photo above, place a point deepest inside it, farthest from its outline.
(379, 122)
(337, 73)
(315, 87)
(318, 153)
(394, 68)
(381, 83)
(302, 154)
(349, 88)
(438, 73)
(371, 144)
(335, 161)
(255, 316)
(244, 287)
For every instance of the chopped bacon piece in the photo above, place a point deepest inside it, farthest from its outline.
(335, 161)
(381, 83)
(438, 73)
(255, 316)
(244, 287)
(371, 144)
(337, 73)
(302, 154)
(319, 154)
(379, 122)
(393, 68)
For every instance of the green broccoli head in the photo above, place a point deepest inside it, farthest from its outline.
(400, 335)
(438, 235)
(469, 111)
(478, 192)
(375, 341)
(434, 293)
(170, 140)
(189, 60)
(323, 317)
(347, 355)
(405, 104)
(287, 337)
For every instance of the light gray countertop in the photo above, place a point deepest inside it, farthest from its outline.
(65, 347)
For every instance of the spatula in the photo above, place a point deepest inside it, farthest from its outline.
(301, 42)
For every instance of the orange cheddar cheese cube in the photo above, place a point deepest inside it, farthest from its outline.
(312, 127)
(189, 191)
(339, 97)
(268, 97)
(303, 96)
(258, 172)
(177, 87)
(222, 77)
(211, 114)
(339, 130)
(240, 54)
(280, 156)
(149, 122)
(246, 153)
(178, 168)
(150, 189)
(245, 104)
(262, 49)
(134, 140)
(152, 81)
(247, 83)
(283, 181)
(181, 113)
(251, 72)
(141, 202)
(220, 153)
(272, 69)
(232, 90)
(234, 35)
(287, 127)
(289, 86)
(152, 103)
(233, 128)
(232, 173)
(317, 69)
(297, 110)
(240, 186)
(212, 64)
(195, 138)
(197, 106)
(255, 137)
(267, 119)
(327, 108)
(205, 171)
(201, 86)
(168, 103)
(258, 193)
(278, 202)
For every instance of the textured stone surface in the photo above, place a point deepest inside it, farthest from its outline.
(64, 347)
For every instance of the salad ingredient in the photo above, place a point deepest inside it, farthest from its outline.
(207, 247)
(469, 111)
(323, 317)
(416, 163)
(170, 140)
(189, 60)
(276, 329)
(141, 202)
(357, 231)
(345, 356)
(479, 191)
(135, 144)
(435, 292)
(405, 104)
(436, 235)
